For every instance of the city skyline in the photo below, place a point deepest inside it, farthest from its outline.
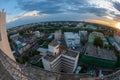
(23, 12)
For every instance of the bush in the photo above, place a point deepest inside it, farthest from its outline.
(98, 42)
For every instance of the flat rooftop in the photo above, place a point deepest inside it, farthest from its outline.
(71, 35)
(71, 53)
(54, 43)
(49, 57)
(97, 52)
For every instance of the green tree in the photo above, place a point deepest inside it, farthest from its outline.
(98, 42)
(33, 52)
(41, 41)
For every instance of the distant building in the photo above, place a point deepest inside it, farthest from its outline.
(57, 35)
(37, 34)
(53, 47)
(71, 39)
(93, 35)
(80, 25)
(20, 43)
(14, 36)
(117, 36)
(83, 35)
(21, 47)
(29, 38)
(90, 26)
(105, 42)
(114, 43)
(99, 57)
(65, 62)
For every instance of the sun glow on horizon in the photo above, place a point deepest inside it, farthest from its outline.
(118, 25)
(114, 24)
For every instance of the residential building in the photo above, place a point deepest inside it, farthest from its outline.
(19, 43)
(37, 34)
(21, 47)
(53, 47)
(114, 43)
(65, 62)
(29, 38)
(58, 35)
(93, 35)
(79, 25)
(71, 39)
(14, 36)
(117, 36)
(90, 26)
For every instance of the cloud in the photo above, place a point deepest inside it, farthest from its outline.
(26, 14)
(97, 7)
(109, 17)
(67, 10)
(117, 5)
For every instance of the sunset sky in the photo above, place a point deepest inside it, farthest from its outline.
(29, 11)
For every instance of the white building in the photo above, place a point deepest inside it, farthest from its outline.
(66, 62)
(89, 26)
(14, 36)
(53, 47)
(58, 34)
(80, 25)
(37, 34)
(71, 39)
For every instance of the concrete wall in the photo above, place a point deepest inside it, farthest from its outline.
(46, 64)
(4, 44)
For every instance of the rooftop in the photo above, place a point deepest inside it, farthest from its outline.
(54, 43)
(93, 35)
(49, 57)
(71, 35)
(71, 53)
(97, 52)
(112, 40)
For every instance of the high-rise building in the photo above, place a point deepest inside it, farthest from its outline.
(65, 62)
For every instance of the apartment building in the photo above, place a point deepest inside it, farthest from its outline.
(65, 62)
(58, 34)
(71, 39)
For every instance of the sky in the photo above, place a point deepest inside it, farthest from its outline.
(21, 12)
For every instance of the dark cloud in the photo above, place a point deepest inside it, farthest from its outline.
(60, 6)
(116, 5)
(66, 6)
(96, 11)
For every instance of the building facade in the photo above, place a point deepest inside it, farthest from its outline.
(93, 35)
(4, 44)
(71, 39)
(53, 47)
(117, 36)
(65, 62)
(58, 34)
